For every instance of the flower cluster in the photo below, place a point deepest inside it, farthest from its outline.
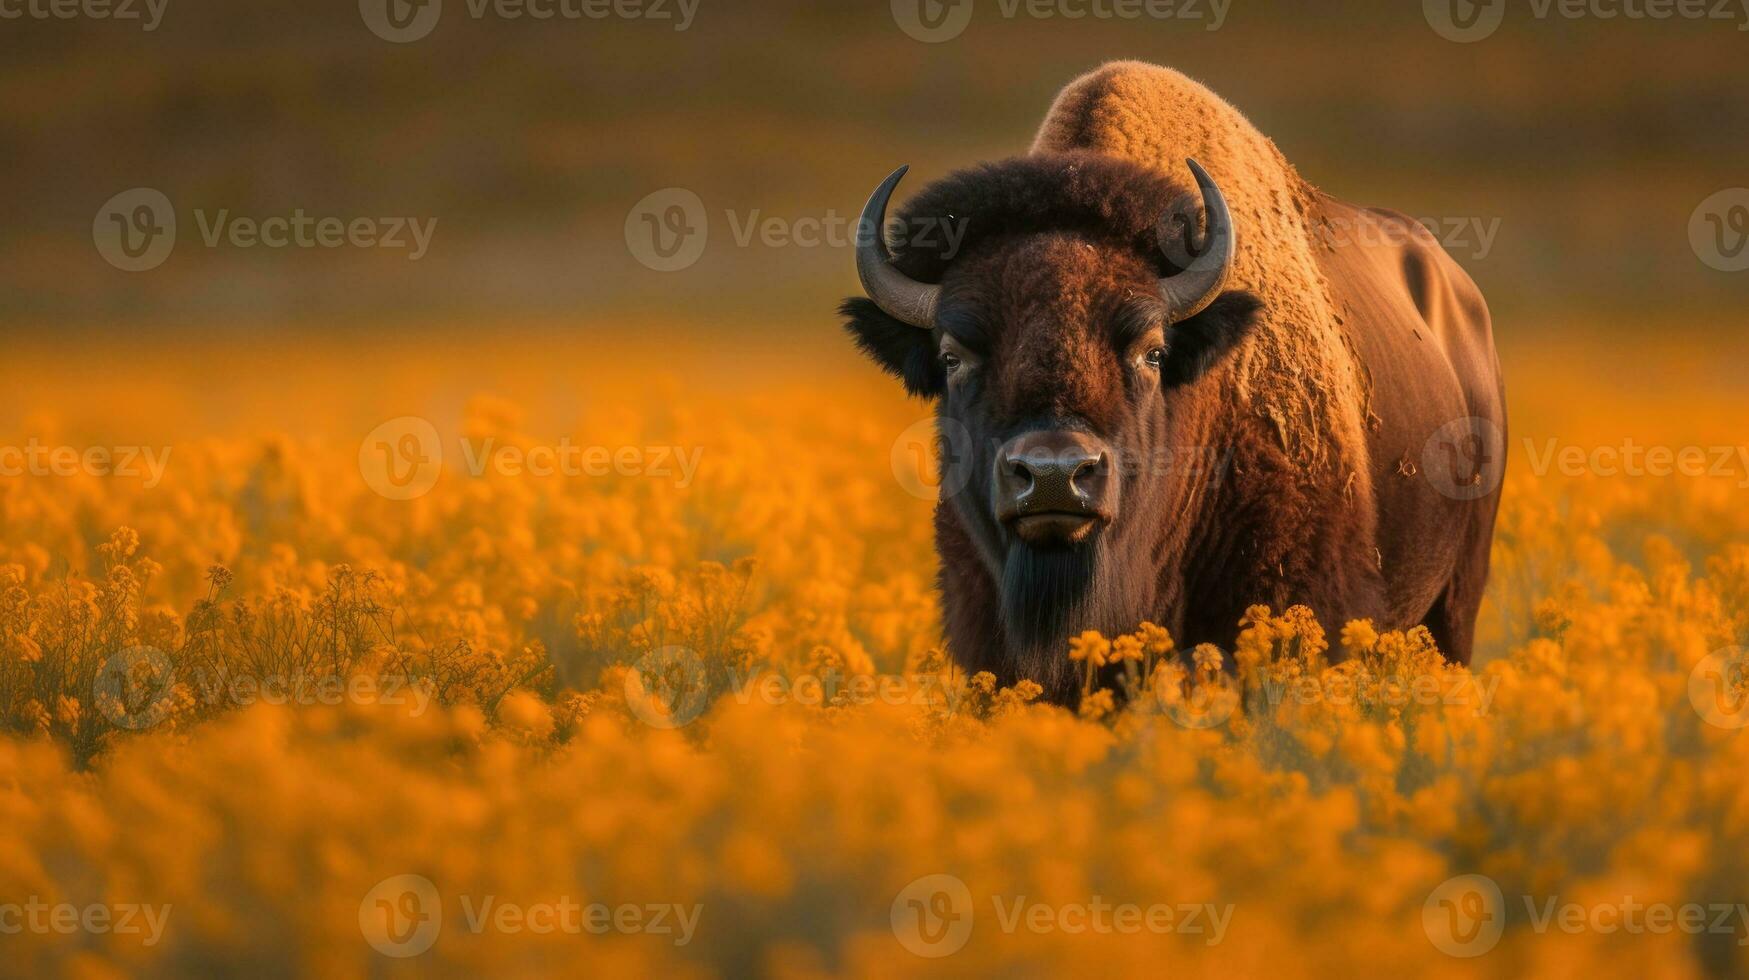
(195, 692)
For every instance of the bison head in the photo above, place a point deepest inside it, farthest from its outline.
(1063, 311)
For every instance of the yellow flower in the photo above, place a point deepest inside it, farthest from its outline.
(1359, 636)
(1126, 649)
(1155, 639)
(1098, 704)
(1090, 647)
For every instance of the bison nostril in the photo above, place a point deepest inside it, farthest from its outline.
(1052, 475)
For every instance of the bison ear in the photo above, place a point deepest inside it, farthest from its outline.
(903, 351)
(1199, 343)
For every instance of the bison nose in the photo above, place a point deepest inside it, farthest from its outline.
(1053, 482)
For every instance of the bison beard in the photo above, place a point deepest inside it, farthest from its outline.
(1049, 596)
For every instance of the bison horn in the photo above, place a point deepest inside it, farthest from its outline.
(1192, 290)
(900, 296)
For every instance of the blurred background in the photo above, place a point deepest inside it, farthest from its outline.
(1562, 159)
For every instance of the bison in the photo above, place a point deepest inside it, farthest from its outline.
(1163, 405)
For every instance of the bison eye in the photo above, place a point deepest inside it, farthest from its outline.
(1154, 358)
(950, 361)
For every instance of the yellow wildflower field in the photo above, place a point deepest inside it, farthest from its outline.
(519, 651)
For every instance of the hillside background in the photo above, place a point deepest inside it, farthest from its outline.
(1585, 144)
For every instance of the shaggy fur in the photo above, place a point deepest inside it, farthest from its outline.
(1297, 394)
(1100, 198)
(1299, 371)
